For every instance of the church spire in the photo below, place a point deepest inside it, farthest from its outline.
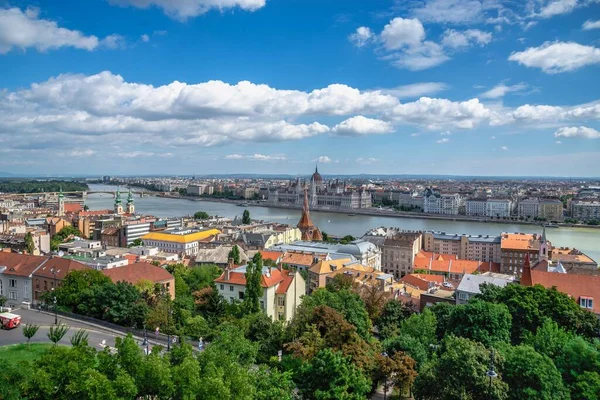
(309, 231)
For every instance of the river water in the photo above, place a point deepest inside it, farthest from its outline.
(584, 239)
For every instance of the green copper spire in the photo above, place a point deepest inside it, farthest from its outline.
(118, 196)
(130, 197)
(60, 193)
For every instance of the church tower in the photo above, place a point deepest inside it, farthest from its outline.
(543, 254)
(61, 203)
(130, 206)
(309, 231)
(118, 203)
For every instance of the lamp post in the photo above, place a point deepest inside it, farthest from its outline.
(385, 381)
(145, 342)
(53, 271)
(491, 373)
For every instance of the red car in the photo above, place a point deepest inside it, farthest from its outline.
(9, 320)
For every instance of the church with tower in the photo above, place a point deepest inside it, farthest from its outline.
(130, 207)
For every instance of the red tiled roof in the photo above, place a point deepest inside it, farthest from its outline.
(297, 259)
(239, 278)
(72, 207)
(285, 284)
(25, 265)
(133, 273)
(62, 266)
(270, 255)
(448, 263)
(92, 213)
(421, 281)
(576, 286)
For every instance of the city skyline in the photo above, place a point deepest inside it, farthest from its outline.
(440, 87)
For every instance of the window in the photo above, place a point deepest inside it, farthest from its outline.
(222, 287)
(12, 283)
(463, 296)
(12, 295)
(231, 288)
(281, 301)
(241, 295)
(262, 305)
(586, 302)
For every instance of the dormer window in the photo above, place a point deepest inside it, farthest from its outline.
(586, 302)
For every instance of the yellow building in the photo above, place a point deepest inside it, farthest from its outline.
(183, 242)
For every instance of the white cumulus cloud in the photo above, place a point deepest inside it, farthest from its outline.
(362, 36)
(441, 141)
(577, 131)
(501, 90)
(184, 9)
(557, 57)
(589, 25)
(416, 89)
(504, 148)
(402, 32)
(255, 157)
(24, 29)
(460, 39)
(360, 125)
(323, 160)
(366, 161)
(557, 7)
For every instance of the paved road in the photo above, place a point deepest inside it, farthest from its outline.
(44, 320)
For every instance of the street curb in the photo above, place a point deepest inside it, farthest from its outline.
(101, 328)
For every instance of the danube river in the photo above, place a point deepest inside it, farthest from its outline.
(586, 240)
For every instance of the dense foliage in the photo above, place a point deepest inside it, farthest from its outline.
(343, 343)
(35, 186)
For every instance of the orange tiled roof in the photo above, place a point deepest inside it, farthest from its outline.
(72, 207)
(576, 286)
(297, 259)
(133, 273)
(446, 263)
(438, 256)
(270, 255)
(239, 278)
(91, 213)
(421, 281)
(283, 287)
(327, 266)
(519, 241)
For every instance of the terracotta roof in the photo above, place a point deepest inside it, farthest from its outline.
(92, 213)
(20, 264)
(447, 263)
(519, 241)
(297, 259)
(239, 278)
(72, 207)
(438, 256)
(62, 266)
(421, 281)
(133, 273)
(270, 255)
(283, 287)
(577, 286)
(111, 231)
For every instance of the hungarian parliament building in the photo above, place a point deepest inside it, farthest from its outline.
(321, 195)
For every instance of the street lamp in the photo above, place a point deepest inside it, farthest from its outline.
(385, 381)
(491, 373)
(53, 271)
(145, 342)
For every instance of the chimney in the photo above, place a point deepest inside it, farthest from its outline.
(230, 263)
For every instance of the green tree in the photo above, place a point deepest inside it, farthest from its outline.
(201, 215)
(392, 315)
(549, 339)
(397, 370)
(347, 239)
(80, 338)
(530, 306)
(254, 290)
(330, 375)
(136, 243)
(272, 384)
(29, 331)
(234, 254)
(417, 335)
(459, 372)
(577, 361)
(531, 375)
(29, 245)
(481, 321)
(56, 333)
(268, 334)
(246, 218)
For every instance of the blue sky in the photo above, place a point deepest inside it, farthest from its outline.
(463, 87)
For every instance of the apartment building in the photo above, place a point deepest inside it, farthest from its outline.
(516, 246)
(551, 210)
(445, 204)
(398, 253)
(585, 210)
(179, 241)
(467, 247)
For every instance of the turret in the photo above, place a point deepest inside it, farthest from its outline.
(130, 205)
(61, 203)
(118, 202)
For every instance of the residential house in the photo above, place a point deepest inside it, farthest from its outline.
(282, 290)
(469, 285)
(134, 273)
